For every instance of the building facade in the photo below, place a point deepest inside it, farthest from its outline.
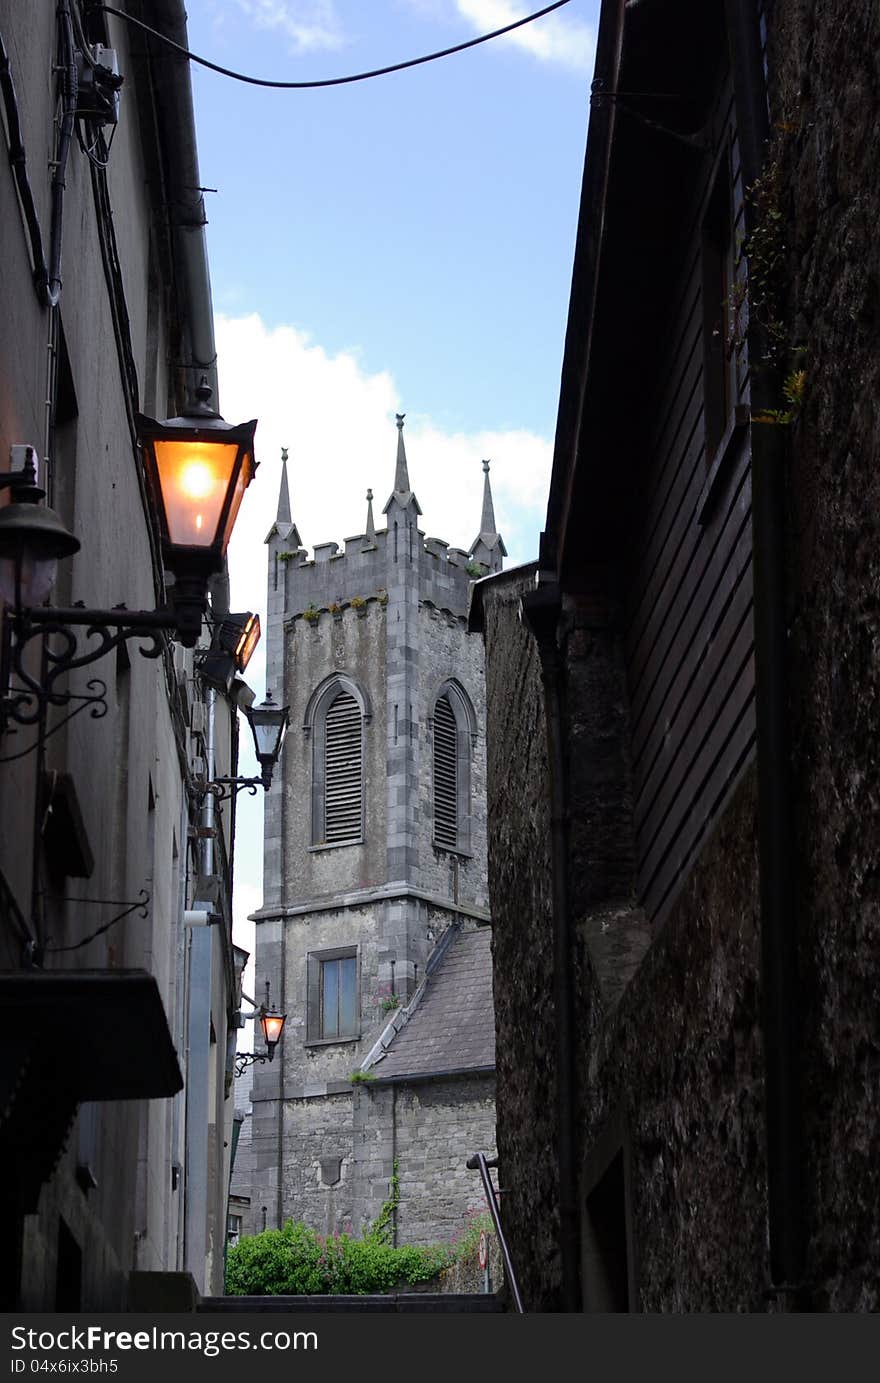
(682, 865)
(115, 1095)
(375, 856)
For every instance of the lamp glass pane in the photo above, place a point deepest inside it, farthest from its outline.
(194, 477)
(272, 1023)
(37, 578)
(243, 480)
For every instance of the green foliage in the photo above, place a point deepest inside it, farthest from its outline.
(389, 1002)
(286, 556)
(361, 1077)
(277, 1262)
(295, 1261)
(383, 1226)
(475, 569)
(357, 602)
(311, 614)
(466, 1244)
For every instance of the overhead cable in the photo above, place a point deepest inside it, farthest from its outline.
(332, 81)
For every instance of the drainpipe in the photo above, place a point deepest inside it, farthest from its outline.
(779, 978)
(540, 610)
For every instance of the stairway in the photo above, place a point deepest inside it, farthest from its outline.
(458, 1302)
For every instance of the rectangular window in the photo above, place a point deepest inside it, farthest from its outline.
(338, 980)
(333, 996)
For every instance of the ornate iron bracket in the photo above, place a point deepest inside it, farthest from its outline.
(225, 788)
(112, 628)
(245, 1059)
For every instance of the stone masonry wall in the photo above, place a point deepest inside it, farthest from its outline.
(825, 103)
(430, 1128)
(677, 1067)
(522, 942)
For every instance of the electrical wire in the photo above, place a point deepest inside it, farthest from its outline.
(334, 81)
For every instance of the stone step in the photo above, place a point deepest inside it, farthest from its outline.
(392, 1301)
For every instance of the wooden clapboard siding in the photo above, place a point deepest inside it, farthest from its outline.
(687, 695)
(689, 623)
(696, 584)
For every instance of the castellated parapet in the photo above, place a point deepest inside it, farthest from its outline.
(334, 579)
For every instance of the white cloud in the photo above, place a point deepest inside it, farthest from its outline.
(309, 24)
(337, 421)
(556, 38)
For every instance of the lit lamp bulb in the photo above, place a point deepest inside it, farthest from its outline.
(194, 484)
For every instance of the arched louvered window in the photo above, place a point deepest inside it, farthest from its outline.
(445, 775)
(343, 771)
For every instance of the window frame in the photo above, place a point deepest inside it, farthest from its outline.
(315, 726)
(466, 734)
(315, 961)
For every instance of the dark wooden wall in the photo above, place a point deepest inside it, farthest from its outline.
(689, 643)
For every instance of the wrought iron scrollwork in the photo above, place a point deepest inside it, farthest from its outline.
(61, 654)
(224, 788)
(245, 1059)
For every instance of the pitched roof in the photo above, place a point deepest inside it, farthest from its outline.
(453, 1027)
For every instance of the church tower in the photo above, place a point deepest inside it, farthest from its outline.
(376, 913)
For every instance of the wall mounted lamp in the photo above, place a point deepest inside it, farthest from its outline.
(198, 468)
(232, 646)
(268, 723)
(272, 1022)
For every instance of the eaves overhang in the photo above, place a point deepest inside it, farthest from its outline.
(73, 1036)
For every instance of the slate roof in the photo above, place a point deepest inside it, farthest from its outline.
(453, 1027)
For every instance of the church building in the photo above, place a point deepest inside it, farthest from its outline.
(374, 932)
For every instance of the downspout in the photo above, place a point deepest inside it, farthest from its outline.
(541, 609)
(186, 204)
(779, 960)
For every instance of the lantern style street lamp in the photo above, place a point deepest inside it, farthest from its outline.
(268, 723)
(198, 468)
(272, 1022)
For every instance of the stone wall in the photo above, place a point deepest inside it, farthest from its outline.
(522, 942)
(429, 1128)
(825, 70)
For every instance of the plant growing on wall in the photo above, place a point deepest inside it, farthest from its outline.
(311, 614)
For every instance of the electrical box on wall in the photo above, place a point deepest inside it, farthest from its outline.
(98, 85)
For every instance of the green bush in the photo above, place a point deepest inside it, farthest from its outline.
(295, 1261)
(278, 1262)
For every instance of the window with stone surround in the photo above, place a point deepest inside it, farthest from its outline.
(333, 1000)
(453, 727)
(335, 718)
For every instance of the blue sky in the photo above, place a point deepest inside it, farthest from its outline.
(403, 243)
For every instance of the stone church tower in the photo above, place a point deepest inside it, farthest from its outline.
(374, 926)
